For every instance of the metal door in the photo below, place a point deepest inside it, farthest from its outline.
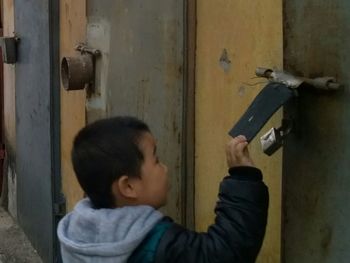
(37, 89)
(140, 73)
(316, 157)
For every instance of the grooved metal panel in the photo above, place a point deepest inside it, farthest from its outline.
(34, 123)
(140, 73)
(317, 156)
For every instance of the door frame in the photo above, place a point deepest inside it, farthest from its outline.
(189, 113)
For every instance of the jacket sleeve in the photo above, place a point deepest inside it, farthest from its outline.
(238, 231)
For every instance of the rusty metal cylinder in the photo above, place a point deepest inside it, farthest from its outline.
(77, 72)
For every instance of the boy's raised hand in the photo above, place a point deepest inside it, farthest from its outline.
(237, 152)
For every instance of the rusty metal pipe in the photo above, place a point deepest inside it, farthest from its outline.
(77, 72)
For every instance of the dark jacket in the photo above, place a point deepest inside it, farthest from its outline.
(236, 236)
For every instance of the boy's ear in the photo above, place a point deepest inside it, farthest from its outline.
(124, 186)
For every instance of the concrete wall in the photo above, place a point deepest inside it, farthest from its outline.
(233, 38)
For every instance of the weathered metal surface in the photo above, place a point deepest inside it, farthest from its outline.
(77, 72)
(233, 38)
(36, 82)
(140, 73)
(316, 157)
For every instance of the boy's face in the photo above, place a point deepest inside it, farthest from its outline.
(153, 187)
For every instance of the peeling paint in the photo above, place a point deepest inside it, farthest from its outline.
(241, 91)
(224, 61)
(98, 36)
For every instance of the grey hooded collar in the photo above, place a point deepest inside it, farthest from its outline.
(104, 235)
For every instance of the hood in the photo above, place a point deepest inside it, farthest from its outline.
(104, 235)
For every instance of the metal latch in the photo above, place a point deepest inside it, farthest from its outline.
(9, 49)
(280, 89)
(273, 139)
(60, 206)
(85, 49)
(325, 83)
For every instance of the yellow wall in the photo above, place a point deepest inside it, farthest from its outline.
(251, 32)
(72, 31)
(9, 81)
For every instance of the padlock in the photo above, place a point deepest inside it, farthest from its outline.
(271, 141)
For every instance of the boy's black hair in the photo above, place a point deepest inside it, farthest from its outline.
(105, 150)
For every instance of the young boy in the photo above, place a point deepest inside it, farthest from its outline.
(116, 163)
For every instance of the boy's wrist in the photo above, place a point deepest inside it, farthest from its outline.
(245, 173)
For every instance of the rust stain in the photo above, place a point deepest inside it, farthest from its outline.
(175, 128)
(180, 70)
(66, 8)
(326, 237)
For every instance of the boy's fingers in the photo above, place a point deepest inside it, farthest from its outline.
(240, 148)
(237, 152)
(242, 137)
(233, 142)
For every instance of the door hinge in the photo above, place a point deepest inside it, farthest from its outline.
(60, 206)
(9, 49)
